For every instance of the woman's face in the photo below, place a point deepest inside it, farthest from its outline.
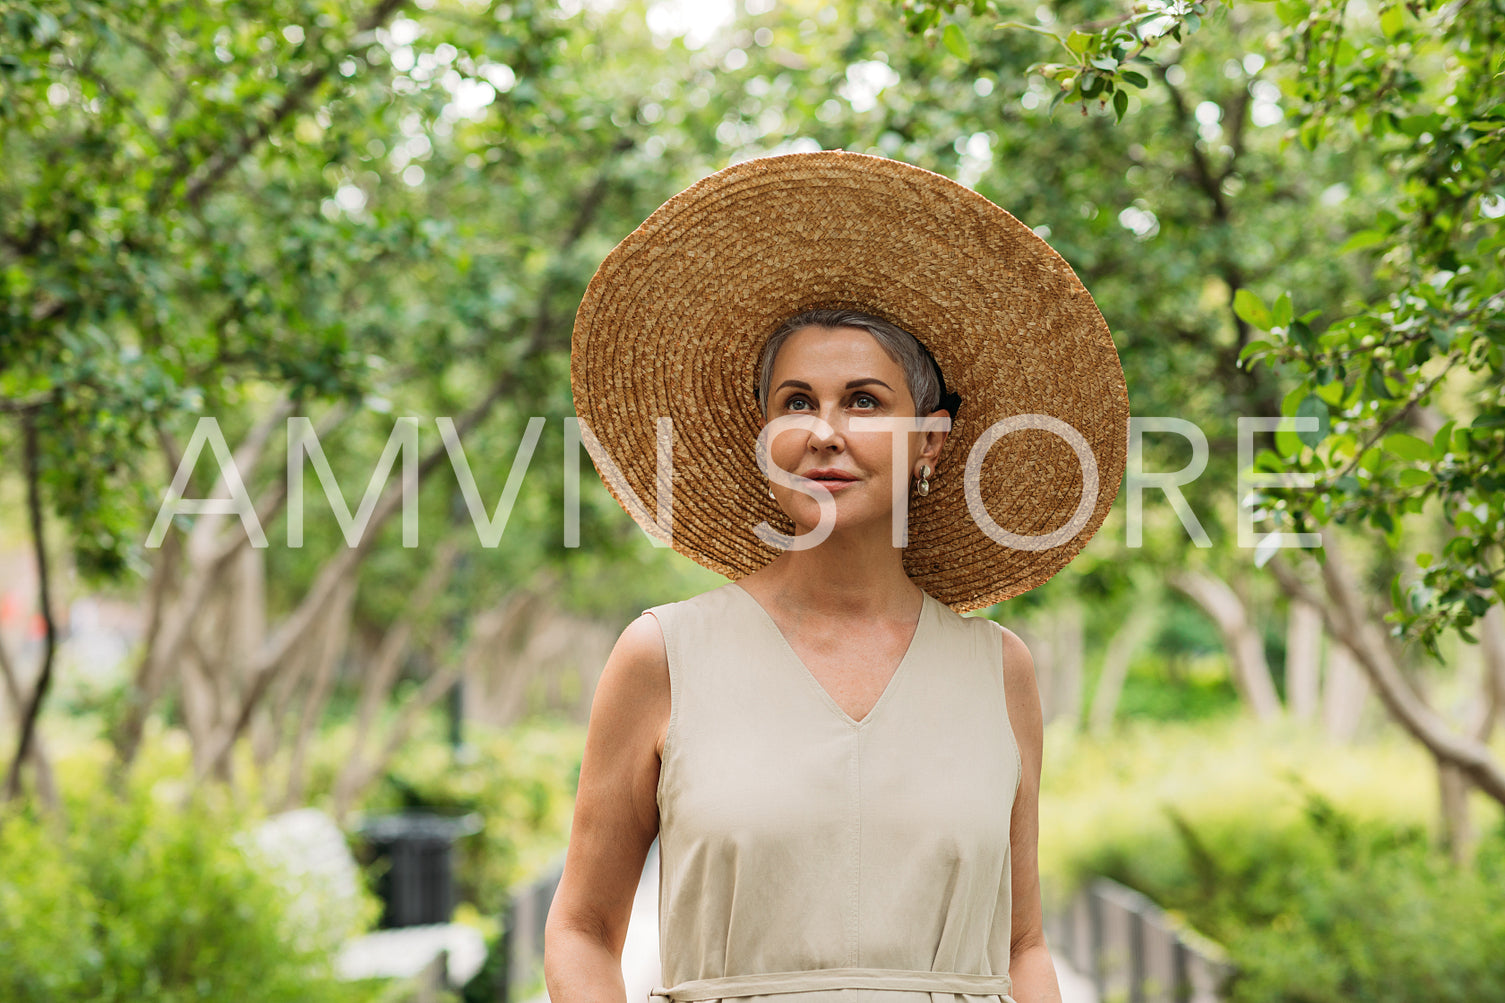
(837, 374)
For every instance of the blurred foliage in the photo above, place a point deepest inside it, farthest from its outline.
(1223, 772)
(1182, 673)
(149, 898)
(391, 207)
(1178, 689)
(1417, 90)
(1311, 863)
(1336, 909)
(520, 782)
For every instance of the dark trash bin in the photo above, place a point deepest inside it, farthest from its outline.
(416, 886)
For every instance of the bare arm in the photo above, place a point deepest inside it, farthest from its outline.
(616, 820)
(1030, 965)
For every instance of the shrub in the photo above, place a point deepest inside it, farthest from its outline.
(1312, 864)
(521, 782)
(138, 897)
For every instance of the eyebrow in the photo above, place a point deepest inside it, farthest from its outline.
(851, 384)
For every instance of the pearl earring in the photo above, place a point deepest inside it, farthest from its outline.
(924, 486)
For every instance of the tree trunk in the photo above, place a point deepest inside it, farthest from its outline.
(213, 544)
(332, 644)
(1457, 831)
(1345, 690)
(1066, 625)
(1303, 652)
(1350, 621)
(1453, 785)
(1492, 651)
(40, 764)
(1245, 647)
(1126, 640)
(31, 709)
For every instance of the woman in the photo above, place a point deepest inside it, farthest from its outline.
(842, 771)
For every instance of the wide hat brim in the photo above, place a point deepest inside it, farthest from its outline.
(674, 321)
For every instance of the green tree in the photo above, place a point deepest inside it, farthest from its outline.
(1396, 367)
(347, 214)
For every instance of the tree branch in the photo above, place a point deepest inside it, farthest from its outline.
(217, 166)
(267, 663)
(1348, 623)
(44, 681)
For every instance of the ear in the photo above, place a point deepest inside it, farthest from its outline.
(931, 442)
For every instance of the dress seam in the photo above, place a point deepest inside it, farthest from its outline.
(675, 698)
(856, 928)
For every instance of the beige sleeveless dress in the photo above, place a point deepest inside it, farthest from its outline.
(806, 857)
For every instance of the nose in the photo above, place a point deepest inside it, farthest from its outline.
(832, 441)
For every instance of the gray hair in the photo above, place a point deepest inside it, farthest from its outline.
(920, 371)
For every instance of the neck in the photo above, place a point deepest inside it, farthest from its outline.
(847, 574)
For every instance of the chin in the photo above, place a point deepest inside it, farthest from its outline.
(847, 521)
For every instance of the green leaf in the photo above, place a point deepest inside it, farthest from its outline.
(1332, 392)
(1392, 20)
(956, 41)
(1408, 447)
(1375, 382)
(1078, 41)
(1415, 125)
(1310, 132)
(1361, 240)
(1252, 348)
(1291, 11)
(1291, 402)
(1265, 461)
(1413, 478)
(1313, 406)
(1120, 104)
(1252, 310)
(1281, 313)
(1443, 440)
(1288, 443)
(1136, 79)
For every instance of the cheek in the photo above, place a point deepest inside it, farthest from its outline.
(786, 450)
(877, 451)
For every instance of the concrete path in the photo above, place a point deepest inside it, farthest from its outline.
(640, 963)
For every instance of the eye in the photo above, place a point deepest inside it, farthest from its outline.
(794, 403)
(865, 401)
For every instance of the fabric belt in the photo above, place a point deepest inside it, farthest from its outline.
(814, 980)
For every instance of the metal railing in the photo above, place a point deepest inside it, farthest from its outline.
(521, 945)
(1135, 952)
(1131, 949)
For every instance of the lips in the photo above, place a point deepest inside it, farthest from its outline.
(829, 475)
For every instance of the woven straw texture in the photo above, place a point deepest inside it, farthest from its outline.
(674, 319)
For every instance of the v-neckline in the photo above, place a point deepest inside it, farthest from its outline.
(893, 680)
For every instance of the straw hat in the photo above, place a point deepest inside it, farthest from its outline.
(675, 318)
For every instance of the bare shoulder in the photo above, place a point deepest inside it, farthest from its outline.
(1018, 666)
(634, 684)
(641, 644)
